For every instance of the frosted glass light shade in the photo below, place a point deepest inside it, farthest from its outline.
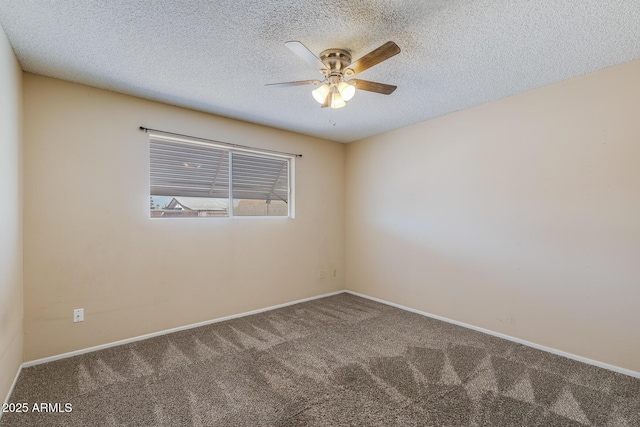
(337, 101)
(320, 94)
(346, 90)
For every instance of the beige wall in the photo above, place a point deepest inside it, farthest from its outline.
(521, 216)
(10, 216)
(89, 241)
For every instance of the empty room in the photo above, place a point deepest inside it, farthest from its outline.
(360, 213)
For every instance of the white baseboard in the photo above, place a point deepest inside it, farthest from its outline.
(168, 331)
(261, 310)
(13, 385)
(603, 365)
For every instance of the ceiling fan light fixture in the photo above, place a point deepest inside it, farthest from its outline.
(335, 65)
(336, 100)
(346, 90)
(320, 94)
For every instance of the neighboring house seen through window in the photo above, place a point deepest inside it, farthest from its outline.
(198, 179)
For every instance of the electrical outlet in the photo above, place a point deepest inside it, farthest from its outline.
(78, 315)
(334, 273)
(321, 274)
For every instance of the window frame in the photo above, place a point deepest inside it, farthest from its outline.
(231, 149)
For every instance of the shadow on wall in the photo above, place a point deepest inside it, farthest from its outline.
(485, 270)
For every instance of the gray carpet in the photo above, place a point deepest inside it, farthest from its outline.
(336, 361)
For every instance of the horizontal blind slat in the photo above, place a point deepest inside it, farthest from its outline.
(180, 169)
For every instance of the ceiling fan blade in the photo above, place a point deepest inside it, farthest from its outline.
(372, 58)
(298, 83)
(376, 87)
(308, 56)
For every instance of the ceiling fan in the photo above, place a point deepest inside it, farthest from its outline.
(335, 65)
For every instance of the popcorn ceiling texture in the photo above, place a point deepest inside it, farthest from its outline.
(217, 56)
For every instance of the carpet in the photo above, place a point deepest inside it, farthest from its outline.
(336, 361)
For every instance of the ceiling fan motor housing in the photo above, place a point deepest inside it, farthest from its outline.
(336, 61)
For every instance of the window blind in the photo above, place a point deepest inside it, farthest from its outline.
(257, 177)
(258, 183)
(182, 169)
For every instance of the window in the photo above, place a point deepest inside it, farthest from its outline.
(189, 178)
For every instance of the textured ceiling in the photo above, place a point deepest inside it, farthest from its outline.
(216, 56)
